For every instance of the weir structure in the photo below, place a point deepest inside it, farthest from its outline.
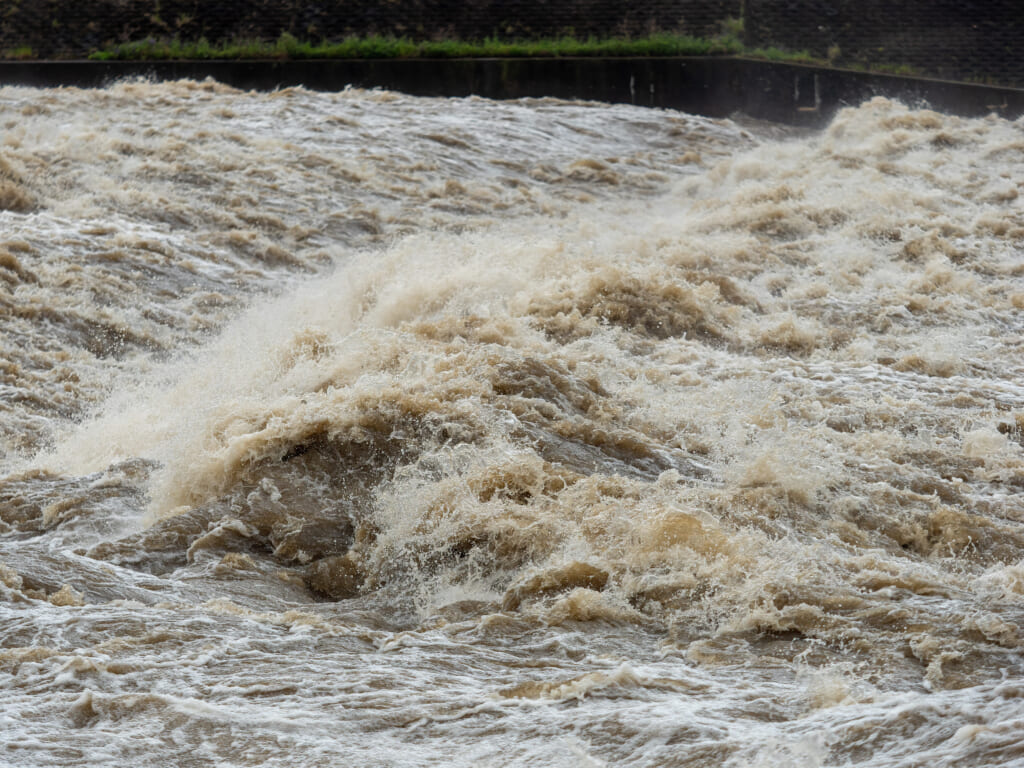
(972, 46)
(714, 86)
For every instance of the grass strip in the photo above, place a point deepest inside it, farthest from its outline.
(289, 47)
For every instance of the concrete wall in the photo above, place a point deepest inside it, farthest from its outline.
(980, 40)
(75, 27)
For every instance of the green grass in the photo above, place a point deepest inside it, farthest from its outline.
(21, 53)
(288, 47)
(906, 70)
(377, 47)
(779, 54)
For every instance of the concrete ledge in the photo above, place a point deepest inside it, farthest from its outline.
(713, 86)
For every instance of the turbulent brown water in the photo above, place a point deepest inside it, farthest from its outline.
(363, 429)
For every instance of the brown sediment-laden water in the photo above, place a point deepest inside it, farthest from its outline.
(363, 429)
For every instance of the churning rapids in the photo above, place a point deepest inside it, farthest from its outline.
(363, 429)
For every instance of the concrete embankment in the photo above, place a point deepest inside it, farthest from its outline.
(714, 86)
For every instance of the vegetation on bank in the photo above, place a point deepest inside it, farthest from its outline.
(21, 53)
(381, 47)
(375, 47)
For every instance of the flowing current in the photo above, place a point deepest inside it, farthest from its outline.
(363, 429)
